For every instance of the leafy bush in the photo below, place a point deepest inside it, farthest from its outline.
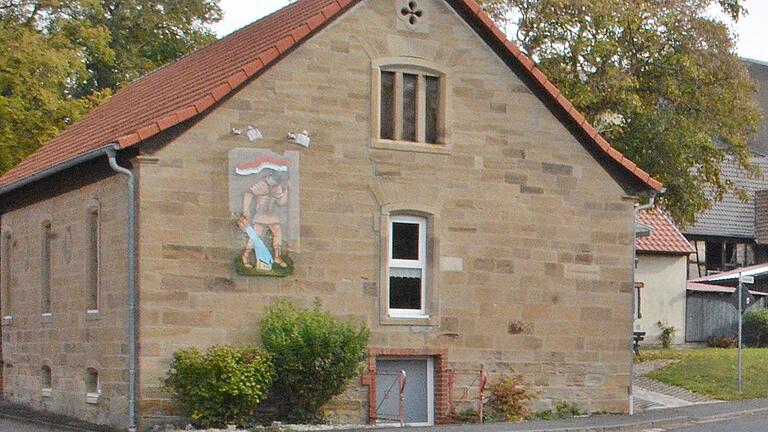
(315, 356)
(220, 386)
(722, 341)
(756, 327)
(509, 396)
(563, 410)
(667, 335)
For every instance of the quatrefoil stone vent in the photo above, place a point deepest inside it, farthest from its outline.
(411, 13)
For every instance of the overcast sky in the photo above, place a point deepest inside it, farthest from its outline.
(752, 30)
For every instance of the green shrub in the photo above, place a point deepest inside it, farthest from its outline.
(563, 410)
(667, 335)
(220, 386)
(756, 327)
(509, 397)
(315, 356)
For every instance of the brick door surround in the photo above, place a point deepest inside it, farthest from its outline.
(440, 358)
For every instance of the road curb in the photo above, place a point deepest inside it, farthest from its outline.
(726, 416)
(628, 426)
(672, 422)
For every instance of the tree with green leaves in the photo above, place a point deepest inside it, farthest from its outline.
(660, 80)
(36, 76)
(62, 57)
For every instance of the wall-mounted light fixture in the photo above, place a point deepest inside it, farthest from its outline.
(251, 132)
(300, 138)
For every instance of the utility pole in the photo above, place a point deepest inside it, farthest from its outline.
(743, 300)
(741, 377)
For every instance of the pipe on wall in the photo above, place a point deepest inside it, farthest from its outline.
(637, 210)
(132, 295)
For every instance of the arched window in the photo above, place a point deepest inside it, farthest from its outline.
(409, 263)
(5, 267)
(407, 268)
(45, 268)
(45, 376)
(92, 386)
(92, 259)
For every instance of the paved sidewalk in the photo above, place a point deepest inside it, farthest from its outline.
(8, 425)
(18, 414)
(665, 418)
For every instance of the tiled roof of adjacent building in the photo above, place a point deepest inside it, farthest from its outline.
(758, 71)
(665, 238)
(703, 287)
(188, 87)
(733, 217)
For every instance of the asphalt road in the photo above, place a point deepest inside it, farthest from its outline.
(758, 423)
(7, 425)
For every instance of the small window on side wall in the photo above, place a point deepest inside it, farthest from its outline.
(92, 386)
(45, 268)
(5, 267)
(411, 105)
(46, 378)
(92, 260)
(407, 267)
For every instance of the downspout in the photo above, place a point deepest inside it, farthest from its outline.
(638, 209)
(112, 154)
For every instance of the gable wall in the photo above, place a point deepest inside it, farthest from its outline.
(531, 232)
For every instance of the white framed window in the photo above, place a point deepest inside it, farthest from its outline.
(407, 267)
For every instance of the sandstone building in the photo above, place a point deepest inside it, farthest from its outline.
(399, 160)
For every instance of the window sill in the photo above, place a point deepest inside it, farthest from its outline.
(46, 318)
(7, 320)
(92, 398)
(413, 320)
(410, 146)
(46, 392)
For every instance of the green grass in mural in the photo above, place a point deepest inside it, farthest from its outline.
(276, 271)
(712, 371)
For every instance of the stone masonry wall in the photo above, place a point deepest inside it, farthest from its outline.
(532, 237)
(69, 341)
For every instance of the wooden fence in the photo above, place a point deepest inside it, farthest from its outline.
(709, 315)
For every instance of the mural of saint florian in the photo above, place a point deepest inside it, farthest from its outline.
(269, 191)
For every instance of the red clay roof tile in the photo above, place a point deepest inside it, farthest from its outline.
(665, 237)
(187, 87)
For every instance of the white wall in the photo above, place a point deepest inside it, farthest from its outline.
(663, 296)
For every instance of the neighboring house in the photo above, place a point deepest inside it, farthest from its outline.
(445, 194)
(711, 310)
(727, 236)
(662, 260)
(758, 71)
